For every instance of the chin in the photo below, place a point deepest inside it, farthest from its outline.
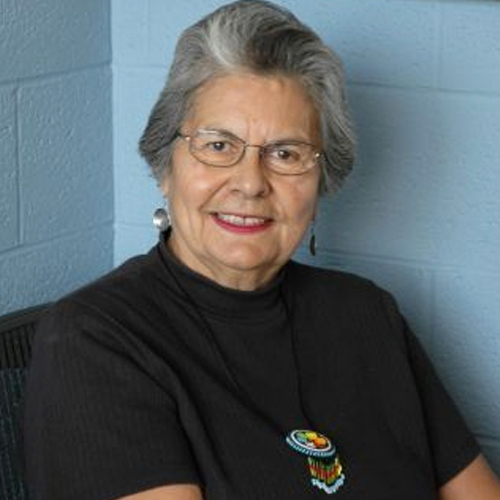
(245, 259)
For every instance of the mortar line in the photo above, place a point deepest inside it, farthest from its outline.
(50, 76)
(19, 191)
(440, 46)
(423, 264)
(423, 89)
(20, 250)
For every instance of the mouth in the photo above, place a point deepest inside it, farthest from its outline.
(241, 223)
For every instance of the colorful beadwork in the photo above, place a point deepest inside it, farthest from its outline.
(324, 464)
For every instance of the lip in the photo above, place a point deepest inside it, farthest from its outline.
(241, 229)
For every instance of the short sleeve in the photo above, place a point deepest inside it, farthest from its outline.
(97, 425)
(451, 443)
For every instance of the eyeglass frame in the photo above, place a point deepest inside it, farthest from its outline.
(188, 137)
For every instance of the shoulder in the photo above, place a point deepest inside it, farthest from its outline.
(331, 282)
(131, 283)
(109, 303)
(134, 278)
(347, 299)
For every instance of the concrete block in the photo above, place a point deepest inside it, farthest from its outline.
(167, 20)
(380, 42)
(384, 41)
(9, 217)
(50, 270)
(133, 240)
(129, 31)
(424, 186)
(134, 93)
(47, 36)
(466, 225)
(65, 154)
(470, 46)
(466, 345)
(136, 194)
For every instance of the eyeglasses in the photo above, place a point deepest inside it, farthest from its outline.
(223, 149)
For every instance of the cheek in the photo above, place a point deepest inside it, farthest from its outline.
(175, 181)
(194, 189)
(302, 201)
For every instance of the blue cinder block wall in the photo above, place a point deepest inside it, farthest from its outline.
(56, 177)
(421, 213)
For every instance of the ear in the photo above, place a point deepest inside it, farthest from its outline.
(164, 188)
(165, 185)
(316, 210)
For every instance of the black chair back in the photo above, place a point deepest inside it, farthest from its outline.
(16, 335)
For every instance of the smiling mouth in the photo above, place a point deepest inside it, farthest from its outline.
(241, 223)
(238, 220)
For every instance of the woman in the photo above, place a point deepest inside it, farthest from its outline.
(214, 367)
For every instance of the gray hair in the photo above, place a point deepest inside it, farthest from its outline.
(260, 37)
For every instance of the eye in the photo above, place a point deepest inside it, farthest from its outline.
(285, 153)
(218, 146)
(215, 144)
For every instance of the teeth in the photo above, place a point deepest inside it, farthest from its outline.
(241, 221)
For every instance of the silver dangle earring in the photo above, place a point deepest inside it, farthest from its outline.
(161, 219)
(312, 240)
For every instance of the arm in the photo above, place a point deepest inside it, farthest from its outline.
(90, 392)
(172, 492)
(454, 447)
(476, 481)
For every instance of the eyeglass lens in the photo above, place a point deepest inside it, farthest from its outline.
(223, 150)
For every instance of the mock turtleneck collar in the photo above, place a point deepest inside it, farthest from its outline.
(257, 305)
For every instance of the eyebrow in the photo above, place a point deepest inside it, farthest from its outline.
(220, 131)
(287, 140)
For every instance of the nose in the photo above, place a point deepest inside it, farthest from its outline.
(249, 175)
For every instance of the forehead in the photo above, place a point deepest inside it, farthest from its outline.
(255, 107)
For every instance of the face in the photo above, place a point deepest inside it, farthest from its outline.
(239, 225)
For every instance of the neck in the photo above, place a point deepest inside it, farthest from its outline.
(244, 280)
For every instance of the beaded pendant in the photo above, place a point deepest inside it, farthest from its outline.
(324, 464)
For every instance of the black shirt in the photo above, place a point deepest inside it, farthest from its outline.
(155, 375)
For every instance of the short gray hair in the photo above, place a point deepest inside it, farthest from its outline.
(260, 37)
